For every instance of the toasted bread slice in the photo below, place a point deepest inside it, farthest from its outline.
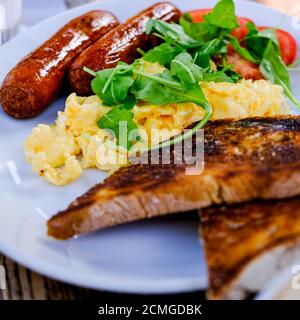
(246, 244)
(244, 159)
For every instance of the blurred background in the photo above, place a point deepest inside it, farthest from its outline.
(25, 13)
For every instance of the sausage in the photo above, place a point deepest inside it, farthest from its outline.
(119, 44)
(36, 81)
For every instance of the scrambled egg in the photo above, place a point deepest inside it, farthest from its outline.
(60, 152)
(245, 99)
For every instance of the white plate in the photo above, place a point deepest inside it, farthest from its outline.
(157, 256)
(285, 285)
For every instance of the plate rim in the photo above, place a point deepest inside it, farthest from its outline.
(116, 284)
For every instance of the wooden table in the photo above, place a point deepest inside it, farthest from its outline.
(23, 284)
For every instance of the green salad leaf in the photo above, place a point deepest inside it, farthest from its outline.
(205, 53)
(184, 68)
(257, 41)
(119, 120)
(202, 31)
(219, 22)
(163, 54)
(223, 75)
(223, 15)
(112, 85)
(172, 33)
(242, 51)
(152, 90)
(129, 102)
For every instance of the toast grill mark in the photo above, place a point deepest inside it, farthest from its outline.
(244, 160)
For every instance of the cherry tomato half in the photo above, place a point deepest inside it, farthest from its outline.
(198, 15)
(287, 43)
(241, 32)
(245, 68)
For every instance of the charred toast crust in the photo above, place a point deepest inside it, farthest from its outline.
(244, 159)
(235, 235)
(124, 181)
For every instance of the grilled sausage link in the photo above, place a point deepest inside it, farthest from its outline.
(35, 82)
(119, 44)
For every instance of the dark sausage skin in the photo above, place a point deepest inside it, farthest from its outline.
(36, 81)
(119, 44)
